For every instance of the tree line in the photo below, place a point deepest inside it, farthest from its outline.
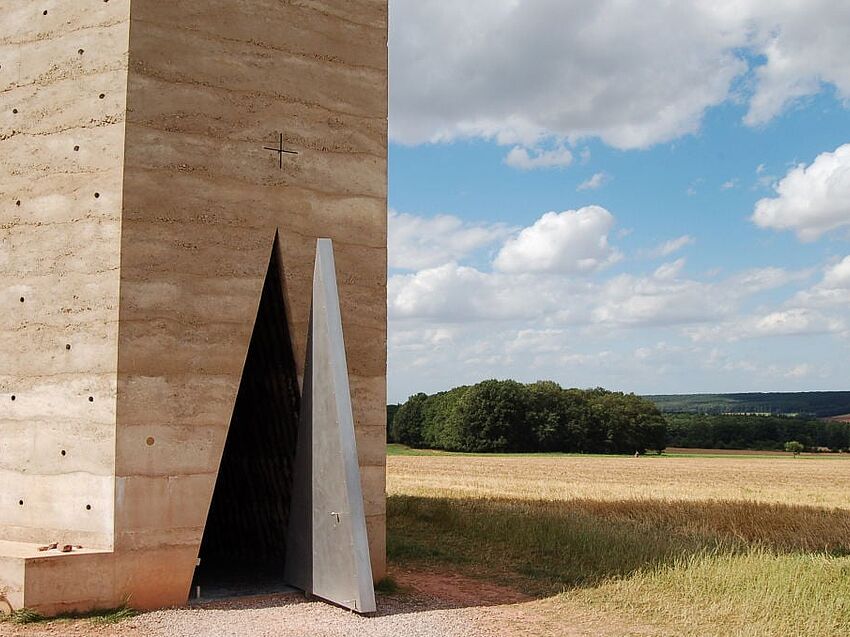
(504, 416)
(500, 416)
(813, 404)
(755, 432)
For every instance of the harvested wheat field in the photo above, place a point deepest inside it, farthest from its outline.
(710, 546)
(811, 480)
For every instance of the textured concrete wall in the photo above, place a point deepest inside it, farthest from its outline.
(132, 135)
(211, 83)
(62, 105)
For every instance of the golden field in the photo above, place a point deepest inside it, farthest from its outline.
(702, 545)
(816, 481)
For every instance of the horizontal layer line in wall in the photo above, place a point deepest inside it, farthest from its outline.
(41, 36)
(93, 124)
(274, 96)
(380, 72)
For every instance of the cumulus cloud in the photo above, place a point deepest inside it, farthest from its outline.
(525, 159)
(420, 242)
(837, 277)
(545, 304)
(457, 294)
(794, 321)
(832, 291)
(596, 181)
(633, 73)
(565, 242)
(541, 275)
(820, 309)
(473, 69)
(673, 245)
(803, 43)
(810, 200)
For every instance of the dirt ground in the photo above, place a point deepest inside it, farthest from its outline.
(428, 604)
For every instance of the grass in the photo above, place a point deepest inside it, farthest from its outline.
(754, 594)
(696, 546)
(107, 616)
(387, 585)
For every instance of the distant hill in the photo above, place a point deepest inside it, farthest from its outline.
(821, 404)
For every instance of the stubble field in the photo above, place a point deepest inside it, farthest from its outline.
(693, 545)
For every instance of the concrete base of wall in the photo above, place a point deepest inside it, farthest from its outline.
(51, 582)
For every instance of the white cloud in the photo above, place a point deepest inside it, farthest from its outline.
(821, 309)
(456, 293)
(810, 200)
(633, 73)
(832, 291)
(661, 299)
(673, 245)
(596, 181)
(670, 270)
(565, 242)
(837, 277)
(794, 321)
(791, 322)
(729, 184)
(525, 159)
(539, 276)
(804, 44)
(421, 242)
(799, 371)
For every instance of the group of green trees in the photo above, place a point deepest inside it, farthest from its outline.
(755, 432)
(507, 416)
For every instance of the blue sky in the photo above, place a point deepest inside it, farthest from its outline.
(697, 191)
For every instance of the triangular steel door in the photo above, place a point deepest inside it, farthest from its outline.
(327, 546)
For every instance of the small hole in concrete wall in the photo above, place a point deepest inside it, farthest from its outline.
(21, 502)
(80, 51)
(22, 299)
(88, 507)
(44, 12)
(18, 202)
(150, 440)
(68, 346)
(76, 149)
(102, 95)
(97, 195)
(91, 399)
(15, 111)
(13, 397)
(63, 452)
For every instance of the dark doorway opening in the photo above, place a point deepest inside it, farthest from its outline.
(244, 545)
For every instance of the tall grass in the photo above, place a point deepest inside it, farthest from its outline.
(754, 594)
(700, 568)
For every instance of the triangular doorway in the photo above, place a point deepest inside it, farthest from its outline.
(244, 545)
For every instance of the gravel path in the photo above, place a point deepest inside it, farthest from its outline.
(431, 605)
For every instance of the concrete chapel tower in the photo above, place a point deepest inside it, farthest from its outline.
(166, 168)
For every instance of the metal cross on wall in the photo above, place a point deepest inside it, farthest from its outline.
(280, 150)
